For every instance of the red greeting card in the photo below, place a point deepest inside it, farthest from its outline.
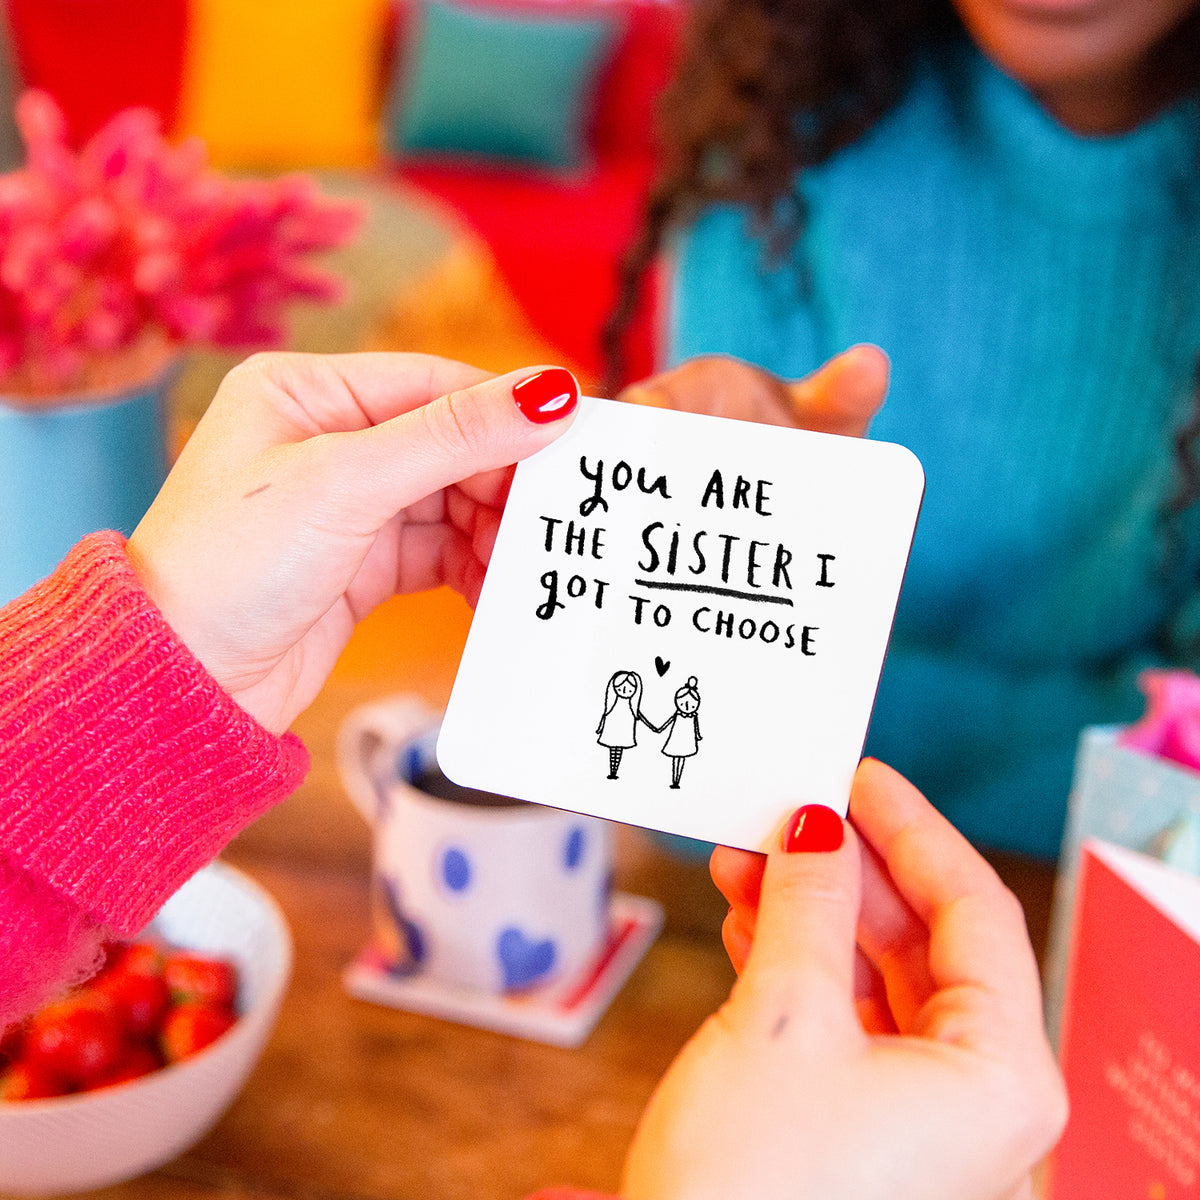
(1130, 1046)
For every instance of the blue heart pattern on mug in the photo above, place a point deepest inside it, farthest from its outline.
(523, 960)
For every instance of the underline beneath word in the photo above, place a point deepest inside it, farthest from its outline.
(711, 590)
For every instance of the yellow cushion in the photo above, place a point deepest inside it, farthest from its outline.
(285, 83)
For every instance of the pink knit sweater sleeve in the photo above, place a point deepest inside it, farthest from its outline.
(124, 767)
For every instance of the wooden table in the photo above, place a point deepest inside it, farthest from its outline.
(352, 1101)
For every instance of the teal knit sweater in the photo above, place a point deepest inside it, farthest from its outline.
(1039, 297)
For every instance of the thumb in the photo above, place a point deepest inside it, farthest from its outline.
(804, 940)
(843, 395)
(466, 432)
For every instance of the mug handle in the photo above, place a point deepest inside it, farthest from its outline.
(391, 722)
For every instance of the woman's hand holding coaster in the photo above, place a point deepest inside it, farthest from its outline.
(885, 1037)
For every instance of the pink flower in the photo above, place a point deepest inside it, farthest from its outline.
(132, 238)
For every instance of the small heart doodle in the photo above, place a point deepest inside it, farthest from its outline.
(661, 667)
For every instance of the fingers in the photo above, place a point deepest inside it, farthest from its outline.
(844, 394)
(911, 838)
(737, 936)
(333, 393)
(895, 941)
(803, 954)
(892, 975)
(377, 471)
(716, 385)
(281, 398)
(977, 936)
(871, 998)
(738, 875)
(841, 397)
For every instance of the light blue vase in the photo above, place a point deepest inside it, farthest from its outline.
(72, 468)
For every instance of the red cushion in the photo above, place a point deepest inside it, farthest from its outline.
(557, 239)
(639, 71)
(556, 244)
(99, 56)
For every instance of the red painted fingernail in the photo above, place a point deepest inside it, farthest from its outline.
(547, 396)
(813, 828)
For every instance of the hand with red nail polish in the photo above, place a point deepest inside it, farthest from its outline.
(884, 1040)
(317, 486)
(547, 395)
(813, 829)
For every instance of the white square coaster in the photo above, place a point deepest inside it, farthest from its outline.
(560, 1013)
(683, 622)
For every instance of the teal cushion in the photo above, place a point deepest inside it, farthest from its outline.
(499, 83)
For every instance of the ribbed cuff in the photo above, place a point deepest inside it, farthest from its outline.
(124, 767)
(46, 943)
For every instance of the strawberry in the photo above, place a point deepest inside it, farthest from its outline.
(200, 979)
(11, 1040)
(24, 1081)
(137, 958)
(140, 1001)
(76, 1039)
(190, 1027)
(141, 1060)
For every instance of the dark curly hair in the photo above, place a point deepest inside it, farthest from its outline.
(765, 88)
(730, 121)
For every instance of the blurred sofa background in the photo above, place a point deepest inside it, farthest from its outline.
(503, 147)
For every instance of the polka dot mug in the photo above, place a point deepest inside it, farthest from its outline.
(475, 889)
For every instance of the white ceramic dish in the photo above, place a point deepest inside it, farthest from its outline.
(94, 1139)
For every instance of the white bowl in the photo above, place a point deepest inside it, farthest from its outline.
(93, 1139)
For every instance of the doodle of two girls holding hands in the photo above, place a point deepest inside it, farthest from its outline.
(623, 710)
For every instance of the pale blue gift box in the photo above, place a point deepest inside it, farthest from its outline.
(1132, 799)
